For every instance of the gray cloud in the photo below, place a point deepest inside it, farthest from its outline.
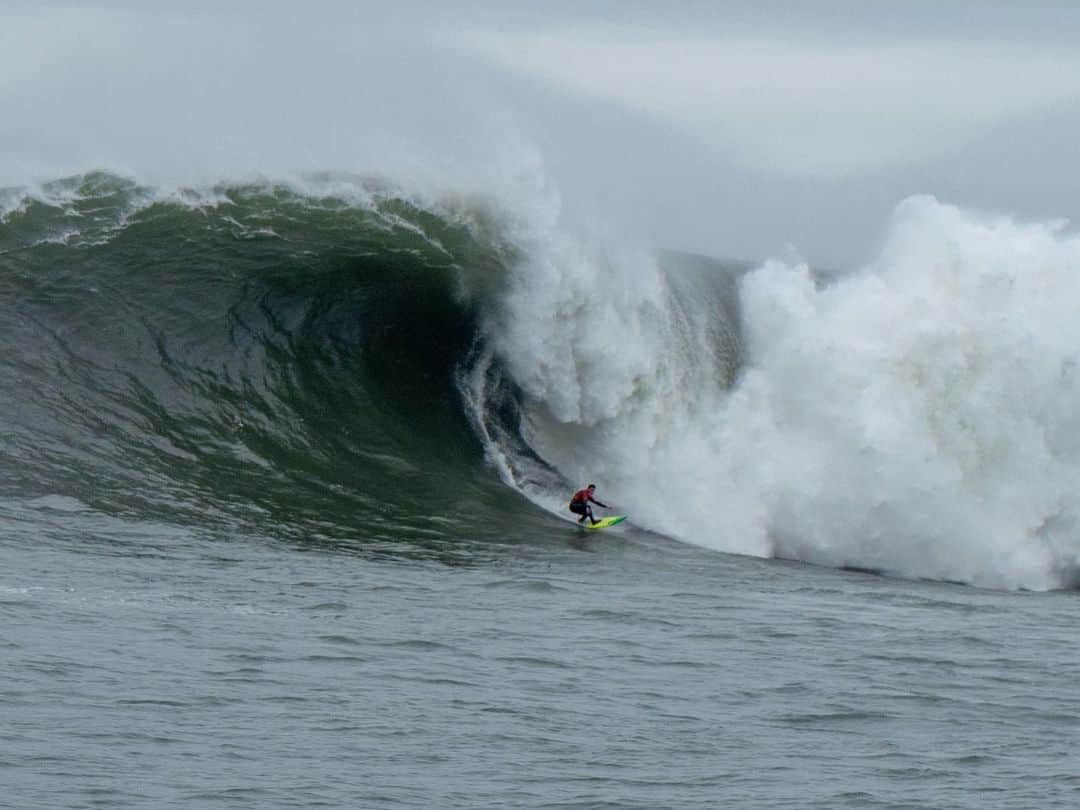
(806, 107)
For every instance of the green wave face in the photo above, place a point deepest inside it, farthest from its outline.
(245, 358)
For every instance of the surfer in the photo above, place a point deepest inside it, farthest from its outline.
(579, 504)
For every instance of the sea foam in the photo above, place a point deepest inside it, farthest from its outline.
(918, 417)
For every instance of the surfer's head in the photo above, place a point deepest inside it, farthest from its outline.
(591, 487)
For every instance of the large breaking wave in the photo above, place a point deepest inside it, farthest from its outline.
(343, 357)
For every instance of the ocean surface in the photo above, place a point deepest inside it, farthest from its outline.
(283, 471)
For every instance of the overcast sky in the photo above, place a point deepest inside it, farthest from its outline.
(737, 129)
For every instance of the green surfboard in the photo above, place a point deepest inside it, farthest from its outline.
(603, 523)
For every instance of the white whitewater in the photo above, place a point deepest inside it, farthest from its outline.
(918, 417)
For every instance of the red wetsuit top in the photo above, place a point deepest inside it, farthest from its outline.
(582, 496)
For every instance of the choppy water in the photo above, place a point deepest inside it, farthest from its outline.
(145, 666)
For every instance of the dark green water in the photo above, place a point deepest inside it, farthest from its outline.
(271, 362)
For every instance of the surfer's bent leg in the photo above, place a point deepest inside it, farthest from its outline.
(579, 509)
